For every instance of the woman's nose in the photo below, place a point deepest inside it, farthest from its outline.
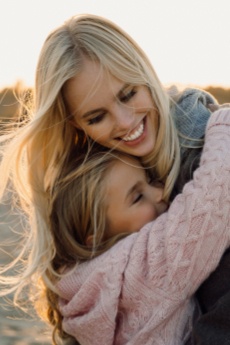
(123, 117)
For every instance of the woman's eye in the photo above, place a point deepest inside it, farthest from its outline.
(127, 96)
(96, 119)
(137, 198)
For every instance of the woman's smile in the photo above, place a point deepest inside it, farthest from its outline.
(116, 114)
(135, 134)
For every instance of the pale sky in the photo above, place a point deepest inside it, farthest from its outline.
(188, 42)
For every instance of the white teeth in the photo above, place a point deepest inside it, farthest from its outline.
(136, 134)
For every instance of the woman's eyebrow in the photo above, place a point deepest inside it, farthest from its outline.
(91, 112)
(94, 111)
(125, 86)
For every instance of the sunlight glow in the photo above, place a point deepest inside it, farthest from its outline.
(187, 42)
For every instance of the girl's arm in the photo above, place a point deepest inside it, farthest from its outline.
(141, 287)
(180, 249)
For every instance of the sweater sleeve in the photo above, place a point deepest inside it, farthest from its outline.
(179, 250)
(141, 287)
(190, 114)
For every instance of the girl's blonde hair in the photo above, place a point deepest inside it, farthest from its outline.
(78, 207)
(34, 157)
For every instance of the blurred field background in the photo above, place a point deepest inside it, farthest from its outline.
(17, 328)
(9, 98)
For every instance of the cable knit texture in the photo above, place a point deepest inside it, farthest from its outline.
(191, 115)
(140, 291)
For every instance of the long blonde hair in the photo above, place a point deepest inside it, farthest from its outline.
(78, 210)
(34, 156)
(78, 207)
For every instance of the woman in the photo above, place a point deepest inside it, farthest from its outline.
(96, 88)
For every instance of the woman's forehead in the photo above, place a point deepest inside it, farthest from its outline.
(90, 85)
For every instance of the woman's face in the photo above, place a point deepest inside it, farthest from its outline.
(111, 112)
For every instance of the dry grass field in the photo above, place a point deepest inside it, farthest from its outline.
(9, 104)
(16, 327)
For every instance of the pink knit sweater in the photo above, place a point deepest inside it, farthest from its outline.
(140, 291)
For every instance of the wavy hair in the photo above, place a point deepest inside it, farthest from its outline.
(35, 154)
(78, 209)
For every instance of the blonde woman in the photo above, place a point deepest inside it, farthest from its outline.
(95, 87)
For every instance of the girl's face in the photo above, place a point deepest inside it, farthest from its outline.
(131, 199)
(111, 112)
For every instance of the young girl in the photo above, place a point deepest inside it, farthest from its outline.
(96, 88)
(121, 282)
(114, 196)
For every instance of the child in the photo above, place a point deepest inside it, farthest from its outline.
(112, 191)
(122, 285)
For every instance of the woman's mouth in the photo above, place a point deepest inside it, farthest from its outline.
(137, 133)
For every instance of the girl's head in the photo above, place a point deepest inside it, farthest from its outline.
(99, 201)
(94, 83)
